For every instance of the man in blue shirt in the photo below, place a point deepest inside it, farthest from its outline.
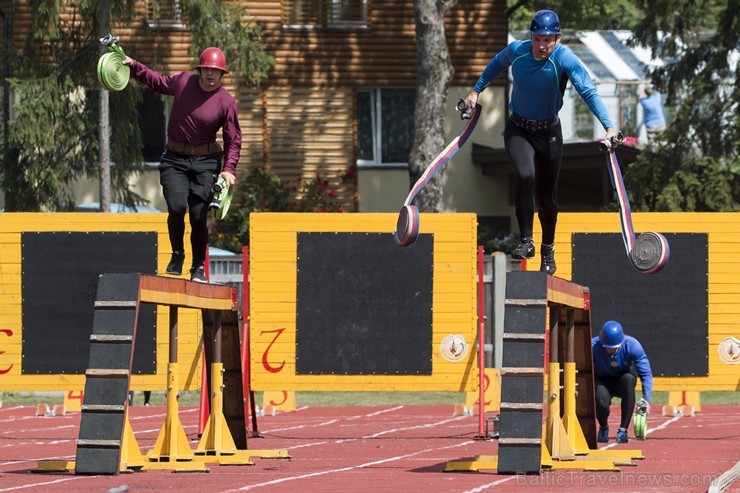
(540, 68)
(652, 111)
(614, 355)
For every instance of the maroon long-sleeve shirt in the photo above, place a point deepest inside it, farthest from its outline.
(196, 115)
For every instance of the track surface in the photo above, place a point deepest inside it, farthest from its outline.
(373, 449)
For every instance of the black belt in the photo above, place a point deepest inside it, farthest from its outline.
(533, 125)
(191, 150)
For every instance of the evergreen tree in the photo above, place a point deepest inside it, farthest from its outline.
(695, 166)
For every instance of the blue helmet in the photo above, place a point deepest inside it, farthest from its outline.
(545, 22)
(611, 335)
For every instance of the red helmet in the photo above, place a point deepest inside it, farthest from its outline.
(214, 58)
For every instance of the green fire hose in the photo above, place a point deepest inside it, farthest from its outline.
(222, 195)
(112, 73)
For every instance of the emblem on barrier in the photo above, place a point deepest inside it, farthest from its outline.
(729, 351)
(454, 347)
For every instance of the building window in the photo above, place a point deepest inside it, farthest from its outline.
(385, 127)
(164, 14)
(628, 110)
(153, 125)
(333, 14)
(583, 120)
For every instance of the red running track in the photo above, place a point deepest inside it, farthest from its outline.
(373, 449)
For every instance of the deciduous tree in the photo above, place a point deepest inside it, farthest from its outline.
(434, 73)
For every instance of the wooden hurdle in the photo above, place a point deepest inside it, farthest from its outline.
(107, 444)
(547, 321)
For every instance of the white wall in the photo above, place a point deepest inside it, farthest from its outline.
(145, 184)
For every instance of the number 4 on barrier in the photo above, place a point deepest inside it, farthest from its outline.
(73, 401)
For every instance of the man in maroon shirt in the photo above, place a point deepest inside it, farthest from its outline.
(191, 162)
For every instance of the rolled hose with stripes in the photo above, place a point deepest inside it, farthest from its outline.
(650, 251)
(407, 225)
(112, 73)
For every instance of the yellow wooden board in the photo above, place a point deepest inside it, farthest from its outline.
(273, 291)
(12, 225)
(723, 231)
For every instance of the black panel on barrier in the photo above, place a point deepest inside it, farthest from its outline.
(666, 312)
(364, 305)
(60, 273)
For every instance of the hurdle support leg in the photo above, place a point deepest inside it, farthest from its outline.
(216, 443)
(216, 438)
(556, 437)
(172, 443)
(570, 420)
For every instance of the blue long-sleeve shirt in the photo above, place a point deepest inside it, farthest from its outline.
(652, 108)
(630, 352)
(536, 93)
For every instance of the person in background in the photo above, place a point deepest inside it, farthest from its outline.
(540, 67)
(616, 357)
(147, 397)
(652, 111)
(191, 162)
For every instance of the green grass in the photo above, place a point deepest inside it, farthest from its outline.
(321, 399)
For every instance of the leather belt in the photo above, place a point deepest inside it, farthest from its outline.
(191, 150)
(533, 125)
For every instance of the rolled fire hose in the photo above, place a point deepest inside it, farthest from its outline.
(112, 73)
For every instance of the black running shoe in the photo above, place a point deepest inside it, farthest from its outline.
(548, 259)
(525, 249)
(174, 268)
(198, 274)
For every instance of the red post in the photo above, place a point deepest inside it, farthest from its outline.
(205, 402)
(481, 348)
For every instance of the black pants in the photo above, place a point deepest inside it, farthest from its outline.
(186, 183)
(536, 157)
(622, 387)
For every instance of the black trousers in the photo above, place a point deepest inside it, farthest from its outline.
(536, 157)
(186, 184)
(622, 387)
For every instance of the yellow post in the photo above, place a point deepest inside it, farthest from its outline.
(131, 457)
(556, 438)
(216, 437)
(172, 443)
(570, 420)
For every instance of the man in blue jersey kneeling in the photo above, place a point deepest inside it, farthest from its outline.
(540, 68)
(615, 355)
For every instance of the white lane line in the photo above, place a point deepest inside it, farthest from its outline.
(349, 468)
(495, 483)
(382, 411)
(46, 483)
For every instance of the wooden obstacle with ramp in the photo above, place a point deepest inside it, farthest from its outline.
(106, 443)
(546, 322)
